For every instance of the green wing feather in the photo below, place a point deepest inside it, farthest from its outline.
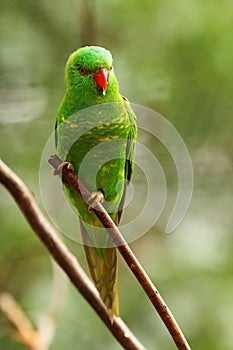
(130, 150)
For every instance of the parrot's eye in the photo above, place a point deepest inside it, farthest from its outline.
(82, 71)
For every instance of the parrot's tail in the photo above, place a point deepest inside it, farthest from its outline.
(104, 274)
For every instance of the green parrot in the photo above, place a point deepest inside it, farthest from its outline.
(96, 132)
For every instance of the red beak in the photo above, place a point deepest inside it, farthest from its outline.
(101, 79)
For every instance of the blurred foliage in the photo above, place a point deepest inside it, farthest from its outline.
(177, 58)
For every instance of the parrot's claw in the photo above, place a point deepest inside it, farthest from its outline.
(95, 198)
(63, 165)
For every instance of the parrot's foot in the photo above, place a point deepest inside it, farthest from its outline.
(95, 198)
(63, 165)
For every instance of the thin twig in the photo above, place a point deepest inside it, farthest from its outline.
(63, 257)
(41, 336)
(86, 12)
(167, 317)
(24, 329)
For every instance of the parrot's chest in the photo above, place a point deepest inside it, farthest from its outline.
(99, 156)
(95, 141)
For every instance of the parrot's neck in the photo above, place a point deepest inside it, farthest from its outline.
(75, 101)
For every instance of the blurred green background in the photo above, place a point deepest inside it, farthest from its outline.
(174, 57)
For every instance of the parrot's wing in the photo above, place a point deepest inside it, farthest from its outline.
(129, 156)
(55, 132)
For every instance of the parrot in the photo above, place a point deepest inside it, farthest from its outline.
(95, 133)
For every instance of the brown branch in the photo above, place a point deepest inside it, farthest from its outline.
(167, 317)
(63, 257)
(41, 336)
(86, 12)
(24, 330)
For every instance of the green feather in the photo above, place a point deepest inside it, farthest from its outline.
(97, 133)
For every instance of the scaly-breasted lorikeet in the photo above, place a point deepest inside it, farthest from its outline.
(105, 143)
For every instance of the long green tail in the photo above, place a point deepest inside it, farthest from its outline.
(104, 273)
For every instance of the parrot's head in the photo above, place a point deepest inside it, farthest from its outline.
(89, 70)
